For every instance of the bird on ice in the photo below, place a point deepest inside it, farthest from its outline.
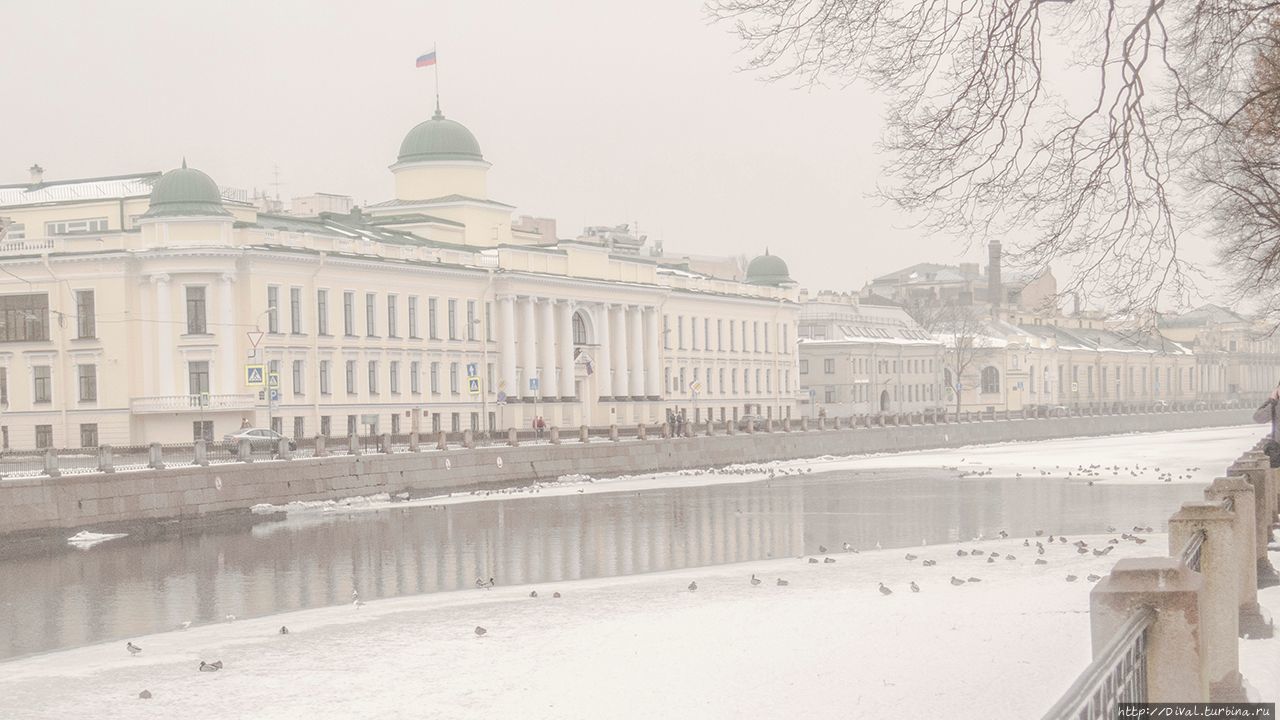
(184, 624)
(822, 548)
(230, 617)
(914, 587)
(284, 630)
(782, 583)
(961, 553)
(884, 590)
(1071, 578)
(1093, 578)
(555, 594)
(533, 593)
(1004, 535)
(693, 586)
(956, 581)
(929, 563)
(813, 561)
(144, 695)
(910, 557)
(847, 547)
(480, 632)
(990, 559)
(754, 580)
(214, 666)
(828, 560)
(1041, 561)
(133, 649)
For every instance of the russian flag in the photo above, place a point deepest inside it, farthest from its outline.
(427, 60)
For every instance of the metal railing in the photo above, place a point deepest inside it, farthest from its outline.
(1117, 675)
(1191, 551)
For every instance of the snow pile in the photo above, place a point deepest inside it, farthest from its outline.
(348, 503)
(633, 647)
(84, 539)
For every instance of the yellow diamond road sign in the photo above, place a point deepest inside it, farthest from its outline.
(255, 375)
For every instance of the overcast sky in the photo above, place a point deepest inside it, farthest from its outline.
(594, 113)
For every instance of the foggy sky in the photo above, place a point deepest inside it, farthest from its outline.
(594, 113)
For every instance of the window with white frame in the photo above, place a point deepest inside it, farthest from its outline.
(73, 227)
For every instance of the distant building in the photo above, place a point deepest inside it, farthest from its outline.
(858, 358)
(966, 284)
(1236, 357)
(316, 203)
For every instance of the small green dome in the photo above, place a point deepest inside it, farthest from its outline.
(439, 139)
(768, 269)
(185, 191)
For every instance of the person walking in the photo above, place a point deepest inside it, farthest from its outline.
(1266, 413)
(538, 426)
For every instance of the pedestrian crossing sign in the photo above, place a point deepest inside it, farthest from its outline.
(255, 375)
(473, 385)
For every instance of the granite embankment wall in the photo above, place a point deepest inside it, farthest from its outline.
(75, 501)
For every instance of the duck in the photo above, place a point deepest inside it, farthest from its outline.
(847, 547)
(1071, 578)
(828, 560)
(974, 580)
(910, 557)
(754, 580)
(693, 586)
(480, 631)
(956, 581)
(1041, 561)
(1010, 557)
(214, 666)
(1026, 543)
(990, 559)
(884, 590)
(1082, 551)
(1139, 540)
(914, 587)
(822, 548)
(230, 617)
(782, 583)
(284, 630)
(929, 563)
(144, 695)
(555, 594)
(1039, 533)
(184, 624)
(1093, 578)
(961, 553)
(533, 593)
(133, 649)
(1004, 535)
(813, 561)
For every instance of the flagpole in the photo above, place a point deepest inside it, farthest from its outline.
(437, 75)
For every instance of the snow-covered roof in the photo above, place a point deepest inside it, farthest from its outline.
(104, 188)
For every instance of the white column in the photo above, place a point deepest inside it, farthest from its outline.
(164, 337)
(230, 338)
(636, 350)
(528, 359)
(652, 341)
(548, 385)
(565, 348)
(618, 332)
(603, 362)
(507, 346)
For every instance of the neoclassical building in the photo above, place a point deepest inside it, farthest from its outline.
(136, 308)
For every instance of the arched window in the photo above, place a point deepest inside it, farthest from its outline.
(579, 330)
(1031, 378)
(990, 380)
(884, 401)
(946, 379)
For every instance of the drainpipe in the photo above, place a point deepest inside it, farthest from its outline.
(315, 348)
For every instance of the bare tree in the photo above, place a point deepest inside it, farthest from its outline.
(963, 330)
(1107, 129)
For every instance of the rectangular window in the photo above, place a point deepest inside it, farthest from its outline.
(43, 387)
(435, 422)
(415, 378)
(295, 311)
(471, 319)
(488, 321)
(453, 319)
(733, 336)
(395, 423)
(453, 378)
(373, 377)
(680, 332)
(433, 330)
(370, 314)
(352, 426)
(198, 377)
(277, 424)
(755, 336)
(488, 380)
(393, 368)
(202, 430)
(44, 436)
(273, 309)
(804, 366)
(392, 320)
(73, 227)
(197, 313)
(88, 382)
(455, 422)
(299, 427)
(706, 333)
(322, 312)
(829, 366)
(349, 314)
(693, 333)
(351, 377)
(86, 322)
(413, 317)
(4, 386)
(766, 337)
(435, 378)
(666, 332)
(326, 425)
(325, 387)
(13, 231)
(24, 317)
(299, 384)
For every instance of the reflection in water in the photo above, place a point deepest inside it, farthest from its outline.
(125, 588)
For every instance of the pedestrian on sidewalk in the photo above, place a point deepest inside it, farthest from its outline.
(538, 426)
(1266, 413)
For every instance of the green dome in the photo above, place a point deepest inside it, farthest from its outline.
(439, 139)
(768, 269)
(185, 191)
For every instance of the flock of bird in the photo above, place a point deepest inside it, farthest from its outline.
(1089, 471)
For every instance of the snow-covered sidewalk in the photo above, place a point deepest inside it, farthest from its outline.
(642, 646)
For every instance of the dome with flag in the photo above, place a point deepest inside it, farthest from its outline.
(439, 139)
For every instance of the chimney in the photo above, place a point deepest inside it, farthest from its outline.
(37, 174)
(995, 290)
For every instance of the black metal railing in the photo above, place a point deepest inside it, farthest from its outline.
(1117, 675)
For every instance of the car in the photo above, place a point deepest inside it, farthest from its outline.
(1160, 405)
(1058, 411)
(259, 439)
(1200, 405)
(752, 422)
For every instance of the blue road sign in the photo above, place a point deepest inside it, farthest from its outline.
(473, 386)
(275, 395)
(502, 398)
(533, 384)
(471, 369)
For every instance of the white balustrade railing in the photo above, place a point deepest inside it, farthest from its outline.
(181, 403)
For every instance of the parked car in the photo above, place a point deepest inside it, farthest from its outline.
(753, 422)
(259, 439)
(1160, 405)
(1058, 411)
(1200, 405)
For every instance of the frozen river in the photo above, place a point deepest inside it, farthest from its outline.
(135, 586)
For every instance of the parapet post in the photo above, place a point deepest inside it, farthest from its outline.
(711, 427)
(1176, 667)
(384, 443)
(353, 444)
(613, 432)
(513, 437)
(804, 424)
(1219, 601)
(584, 433)
(321, 446)
(554, 435)
(414, 442)
(1255, 472)
(51, 463)
(442, 441)
(155, 456)
(469, 438)
(106, 461)
(1241, 494)
(640, 431)
(282, 449)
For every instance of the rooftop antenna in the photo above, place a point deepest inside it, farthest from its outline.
(275, 182)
